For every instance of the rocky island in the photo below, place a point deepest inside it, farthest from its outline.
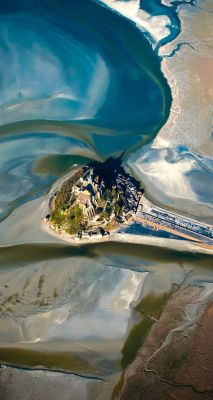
(100, 198)
(95, 200)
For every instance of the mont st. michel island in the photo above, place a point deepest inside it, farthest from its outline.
(100, 199)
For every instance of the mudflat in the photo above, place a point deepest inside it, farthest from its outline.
(175, 360)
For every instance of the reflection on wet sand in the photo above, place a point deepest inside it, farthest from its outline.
(84, 309)
(87, 311)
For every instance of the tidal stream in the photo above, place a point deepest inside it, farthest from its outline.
(78, 82)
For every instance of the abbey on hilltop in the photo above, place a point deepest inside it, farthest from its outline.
(97, 199)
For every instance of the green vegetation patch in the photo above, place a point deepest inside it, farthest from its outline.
(57, 218)
(66, 215)
(96, 199)
(69, 220)
(62, 197)
(74, 220)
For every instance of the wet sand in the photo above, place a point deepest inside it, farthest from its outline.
(131, 238)
(166, 262)
(24, 384)
(175, 362)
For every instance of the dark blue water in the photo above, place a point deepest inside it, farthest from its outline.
(77, 82)
(73, 60)
(75, 79)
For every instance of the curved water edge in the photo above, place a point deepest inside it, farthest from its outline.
(115, 113)
(183, 138)
(130, 85)
(105, 93)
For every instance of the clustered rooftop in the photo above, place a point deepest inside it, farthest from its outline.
(100, 198)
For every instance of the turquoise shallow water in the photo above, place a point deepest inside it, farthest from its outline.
(78, 82)
(79, 61)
